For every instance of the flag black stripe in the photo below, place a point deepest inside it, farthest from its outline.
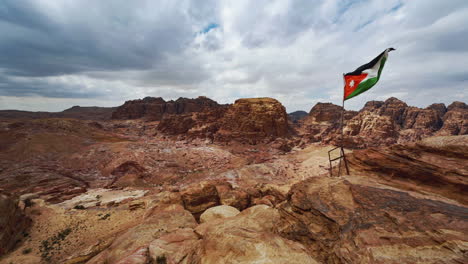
(366, 66)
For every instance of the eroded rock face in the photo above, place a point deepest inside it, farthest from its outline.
(455, 120)
(12, 223)
(353, 220)
(381, 123)
(435, 165)
(249, 237)
(253, 119)
(132, 245)
(152, 108)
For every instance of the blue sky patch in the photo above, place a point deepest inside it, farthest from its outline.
(209, 27)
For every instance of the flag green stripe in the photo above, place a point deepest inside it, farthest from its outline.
(367, 84)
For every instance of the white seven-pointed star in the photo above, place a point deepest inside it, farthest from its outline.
(351, 83)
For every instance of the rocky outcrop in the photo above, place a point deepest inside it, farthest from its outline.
(251, 120)
(323, 120)
(13, 223)
(151, 108)
(352, 220)
(250, 237)
(435, 165)
(455, 120)
(381, 123)
(133, 244)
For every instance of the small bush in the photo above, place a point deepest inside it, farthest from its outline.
(27, 251)
(79, 207)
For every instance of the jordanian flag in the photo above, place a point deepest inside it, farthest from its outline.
(364, 77)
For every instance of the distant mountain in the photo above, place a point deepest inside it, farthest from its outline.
(297, 115)
(77, 112)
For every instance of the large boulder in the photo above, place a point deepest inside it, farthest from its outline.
(218, 212)
(199, 197)
(13, 223)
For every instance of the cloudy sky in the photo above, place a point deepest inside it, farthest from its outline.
(58, 53)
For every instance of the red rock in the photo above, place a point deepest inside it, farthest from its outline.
(197, 198)
(253, 120)
(152, 108)
(455, 120)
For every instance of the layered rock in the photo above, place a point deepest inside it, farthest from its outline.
(381, 123)
(455, 120)
(353, 220)
(249, 120)
(254, 119)
(434, 165)
(13, 223)
(152, 108)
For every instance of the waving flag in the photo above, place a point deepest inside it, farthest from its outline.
(364, 77)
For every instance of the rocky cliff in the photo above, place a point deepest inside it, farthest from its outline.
(151, 108)
(249, 120)
(384, 123)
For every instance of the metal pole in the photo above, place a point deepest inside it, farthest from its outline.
(342, 133)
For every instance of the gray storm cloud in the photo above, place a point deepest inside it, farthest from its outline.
(294, 51)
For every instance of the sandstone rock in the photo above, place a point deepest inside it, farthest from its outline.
(248, 238)
(218, 212)
(197, 198)
(425, 119)
(202, 124)
(369, 129)
(132, 243)
(175, 247)
(383, 123)
(436, 165)
(393, 108)
(13, 223)
(441, 109)
(252, 120)
(136, 205)
(353, 220)
(152, 108)
(140, 256)
(455, 120)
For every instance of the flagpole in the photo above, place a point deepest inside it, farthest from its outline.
(342, 112)
(342, 129)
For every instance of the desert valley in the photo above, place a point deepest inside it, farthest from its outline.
(194, 181)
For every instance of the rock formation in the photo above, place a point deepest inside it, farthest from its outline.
(152, 108)
(13, 223)
(384, 123)
(253, 119)
(250, 120)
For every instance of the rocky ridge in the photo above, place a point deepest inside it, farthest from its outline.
(381, 123)
(155, 108)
